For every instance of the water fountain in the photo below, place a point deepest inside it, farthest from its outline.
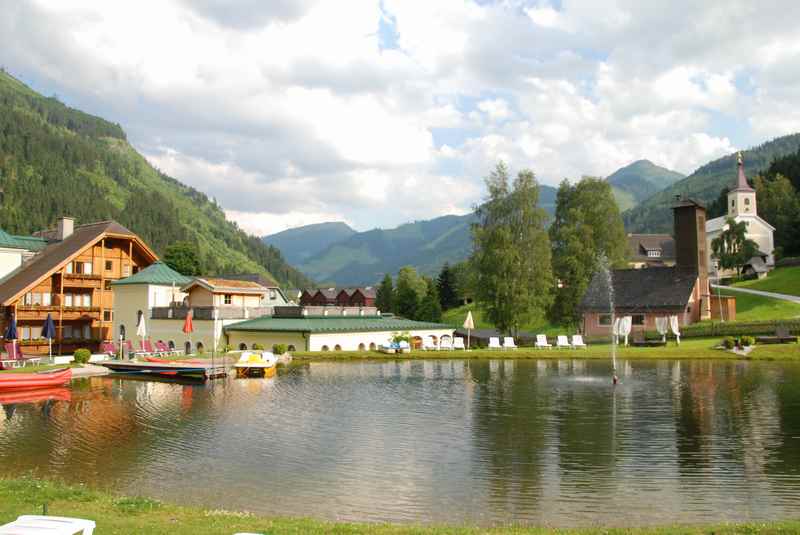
(606, 267)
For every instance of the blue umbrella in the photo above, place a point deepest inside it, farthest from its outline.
(11, 334)
(49, 332)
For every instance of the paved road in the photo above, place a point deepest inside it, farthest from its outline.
(784, 297)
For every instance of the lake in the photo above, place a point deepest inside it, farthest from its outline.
(445, 441)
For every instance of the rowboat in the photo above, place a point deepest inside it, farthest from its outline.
(26, 381)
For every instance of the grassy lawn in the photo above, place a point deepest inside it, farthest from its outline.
(124, 515)
(456, 317)
(757, 308)
(782, 280)
(696, 348)
(42, 368)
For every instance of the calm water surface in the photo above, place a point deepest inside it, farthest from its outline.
(487, 442)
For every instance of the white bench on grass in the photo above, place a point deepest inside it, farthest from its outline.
(577, 341)
(494, 343)
(508, 343)
(54, 525)
(458, 343)
(562, 342)
(541, 342)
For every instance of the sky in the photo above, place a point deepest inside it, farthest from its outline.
(379, 112)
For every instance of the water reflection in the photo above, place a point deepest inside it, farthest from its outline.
(444, 440)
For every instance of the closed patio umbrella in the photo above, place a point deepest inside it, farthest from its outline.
(188, 326)
(141, 328)
(49, 332)
(469, 324)
(11, 334)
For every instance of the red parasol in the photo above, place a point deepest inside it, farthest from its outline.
(188, 328)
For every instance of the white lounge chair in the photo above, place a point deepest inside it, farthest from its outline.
(494, 343)
(541, 342)
(57, 525)
(458, 343)
(429, 344)
(562, 342)
(508, 343)
(445, 344)
(577, 341)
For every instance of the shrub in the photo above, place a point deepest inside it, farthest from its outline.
(279, 349)
(258, 347)
(746, 341)
(729, 342)
(81, 356)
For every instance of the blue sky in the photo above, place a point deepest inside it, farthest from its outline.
(293, 112)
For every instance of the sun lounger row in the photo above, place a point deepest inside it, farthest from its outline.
(508, 343)
(14, 357)
(146, 348)
(562, 342)
(445, 344)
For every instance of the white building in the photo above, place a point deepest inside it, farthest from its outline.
(14, 250)
(742, 207)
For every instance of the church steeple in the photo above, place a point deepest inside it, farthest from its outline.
(741, 198)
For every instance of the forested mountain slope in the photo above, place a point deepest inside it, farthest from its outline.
(55, 161)
(300, 243)
(638, 181)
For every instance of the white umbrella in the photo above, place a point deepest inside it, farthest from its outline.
(141, 328)
(674, 325)
(625, 327)
(662, 326)
(469, 324)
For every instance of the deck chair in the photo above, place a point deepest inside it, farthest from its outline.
(458, 343)
(14, 354)
(494, 343)
(57, 525)
(541, 342)
(562, 342)
(508, 343)
(577, 341)
(429, 344)
(446, 344)
(164, 348)
(108, 348)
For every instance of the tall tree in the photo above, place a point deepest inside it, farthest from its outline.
(384, 297)
(429, 308)
(182, 257)
(409, 291)
(779, 204)
(511, 251)
(446, 288)
(732, 248)
(586, 232)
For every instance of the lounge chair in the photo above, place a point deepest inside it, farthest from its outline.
(446, 344)
(508, 343)
(541, 342)
(577, 341)
(494, 343)
(458, 343)
(108, 348)
(57, 525)
(15, 357)
(429, 344)
(164, 349)
(562, 342)
(403, 347)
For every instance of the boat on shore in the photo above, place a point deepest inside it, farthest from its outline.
(29, 381)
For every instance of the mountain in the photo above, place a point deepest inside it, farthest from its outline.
(638, 181)
(364, 257)
(705, 184)
(55, 160)
(299, 244)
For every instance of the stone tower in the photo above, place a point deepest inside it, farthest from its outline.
(690, 247)
(741, 198)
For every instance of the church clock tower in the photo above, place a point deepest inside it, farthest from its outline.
(742, 198)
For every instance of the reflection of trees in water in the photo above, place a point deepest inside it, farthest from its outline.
(785, 455)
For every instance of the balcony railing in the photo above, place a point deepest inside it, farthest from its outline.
(40, 312)
(209, 313)
(82, 280)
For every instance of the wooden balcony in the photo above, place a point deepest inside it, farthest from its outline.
(80, 280)
(39, 313)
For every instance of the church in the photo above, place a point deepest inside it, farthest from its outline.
(742, 207)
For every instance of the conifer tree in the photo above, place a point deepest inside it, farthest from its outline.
(384, 297)
(446, 288)
(429, 308)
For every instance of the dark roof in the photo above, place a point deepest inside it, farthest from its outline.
(741, 179)
(261, 278)
(687, 201)
(332, 324)
(55, 254)
(332, 293)
(640, 244)
(641, 289)
(158, 274)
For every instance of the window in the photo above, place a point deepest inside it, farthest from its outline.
(337, 347)
(107, 285)
(106, 315)
(135, 270)
(604, 319)
(27, 299)
(87, 268)
(372, 346)
(291, 348)
(36, 332)
(70, 269)
(325, 348)
(242, 347)
(86, 300)
(66, 331)
(87, 332)
(733, 203)
(36, 299)
(126, 270)
(747, 201)
(638, 319)
(228, 299)
(273, 295)
(47, 299)
(24, 333)
(361, 347)
(109, 265)
(67, 300)
(654, 254)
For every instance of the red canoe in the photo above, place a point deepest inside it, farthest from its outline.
(24, 381)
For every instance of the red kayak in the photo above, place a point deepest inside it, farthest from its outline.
(25, 381)
(58, 393)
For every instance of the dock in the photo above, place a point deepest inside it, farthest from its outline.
(203, 371)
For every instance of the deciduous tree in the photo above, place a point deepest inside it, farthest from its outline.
(182, 257)
(409, 291)
(732, 248)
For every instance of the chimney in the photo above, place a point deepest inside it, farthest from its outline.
(691, 247)
(66, 225)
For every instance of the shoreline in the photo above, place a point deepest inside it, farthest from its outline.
(136, 514)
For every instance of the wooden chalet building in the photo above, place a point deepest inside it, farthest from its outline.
(70, 278)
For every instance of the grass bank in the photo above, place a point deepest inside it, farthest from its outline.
(124, 515)
(696, 348)
(456, 317)
(42, 368)
(782, 280)
(751, 307)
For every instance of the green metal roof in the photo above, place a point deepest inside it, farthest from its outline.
(29, 243)
(332, 324)
(158, 274)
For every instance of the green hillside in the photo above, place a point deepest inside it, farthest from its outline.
(55, 160)
(638, 181)
(299, 244)
(705, 184)
(784, 280)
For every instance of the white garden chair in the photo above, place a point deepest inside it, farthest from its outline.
(541, 342)
(56, 525)
(429, 344)
(494, 343)
(577, 341)
(508, 343)
(562, 342)
(458, 343)
(446, 343)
